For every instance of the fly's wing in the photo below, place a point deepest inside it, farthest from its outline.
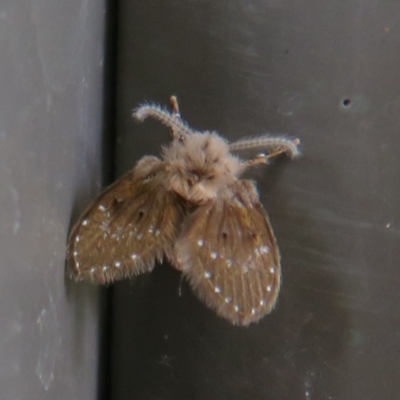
(127, 228)
(228, 252)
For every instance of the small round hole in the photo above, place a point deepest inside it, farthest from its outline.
(346, 103)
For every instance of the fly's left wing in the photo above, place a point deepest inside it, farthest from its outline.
(127, 228)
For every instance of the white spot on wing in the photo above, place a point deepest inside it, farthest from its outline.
(264, 249)
(85, 222)
(134, 256)
(237, 308)
(228, 299)
(200, 242)
(269, 288)
(102, 208)
(217, 289)
(213, 255)
(207, 274)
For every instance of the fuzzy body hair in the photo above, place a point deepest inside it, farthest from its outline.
(191, 206)
(199, 166)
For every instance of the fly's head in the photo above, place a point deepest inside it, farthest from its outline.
(199, 165)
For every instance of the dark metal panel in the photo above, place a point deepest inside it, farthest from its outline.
(51, 116)
(326, 72)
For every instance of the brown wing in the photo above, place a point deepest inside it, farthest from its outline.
(127, 228)
(228, 252)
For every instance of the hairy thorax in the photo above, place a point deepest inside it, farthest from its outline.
(199, 166)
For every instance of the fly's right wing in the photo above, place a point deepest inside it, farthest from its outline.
(228, 252)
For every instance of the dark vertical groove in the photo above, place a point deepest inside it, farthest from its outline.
(108, 174)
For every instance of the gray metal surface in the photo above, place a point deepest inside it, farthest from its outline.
(328, 73)
(51, 79)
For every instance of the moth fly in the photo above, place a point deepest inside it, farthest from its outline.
(190, 206)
